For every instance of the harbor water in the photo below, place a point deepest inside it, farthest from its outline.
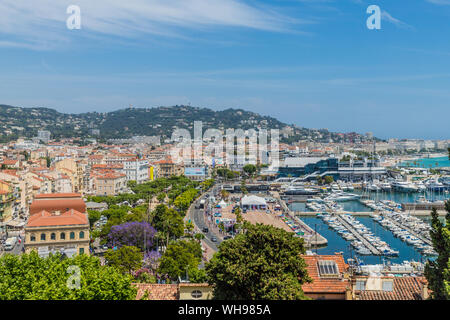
(338, 244)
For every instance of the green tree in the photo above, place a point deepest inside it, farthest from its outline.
(264, 263)
(126, 258)
(438, 272)
(249, 169)
(319, 180)
(328, 179)
(93, 216)
(161, 197)
(168, 221)
(30, 277)
(180, 257)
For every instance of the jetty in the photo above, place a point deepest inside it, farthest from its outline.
(386, 216)
(358, 236)
(312, 238)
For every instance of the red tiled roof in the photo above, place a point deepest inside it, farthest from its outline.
(57, 202)
(157, 291)
(325, 285)
(405, 288)
(45, 218)
(9, 162)
(57, 195)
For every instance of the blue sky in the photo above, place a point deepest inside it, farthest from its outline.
(313, 63)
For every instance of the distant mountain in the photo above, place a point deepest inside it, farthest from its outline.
(161, 121)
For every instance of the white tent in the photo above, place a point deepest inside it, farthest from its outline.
(253, 201)
(222, 204)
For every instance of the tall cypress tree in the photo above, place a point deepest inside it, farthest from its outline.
(437, 272)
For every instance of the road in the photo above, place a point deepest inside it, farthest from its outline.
(198, 218)
(16, 250)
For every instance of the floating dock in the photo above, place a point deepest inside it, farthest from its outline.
(350, 228)
(316, 239)
(408, 229)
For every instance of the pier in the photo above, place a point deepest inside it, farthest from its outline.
(374, 250)
(408, 229)
(315, 238)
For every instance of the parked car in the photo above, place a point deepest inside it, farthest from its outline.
(105, 247)
(227, 237)
(213, 239)
(205, 230)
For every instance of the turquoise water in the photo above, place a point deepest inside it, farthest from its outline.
(428, 163)
(337, 244)
(402, 197)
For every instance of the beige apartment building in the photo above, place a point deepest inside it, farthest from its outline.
(110, 183)
(166, 168)
(74, 170)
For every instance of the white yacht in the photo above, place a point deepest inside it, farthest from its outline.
(404, 186)
(385, 186)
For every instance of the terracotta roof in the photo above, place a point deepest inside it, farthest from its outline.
(111, 175)
(325, 284)
(57, 195)
(57, 202)
(405, 288)
(9, 162)
(45, 218)
(168, 160)
(10, 172)
(157, 291)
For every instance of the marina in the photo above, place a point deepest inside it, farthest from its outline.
(381, 212)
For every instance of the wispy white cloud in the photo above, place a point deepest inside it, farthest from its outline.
(39, 23)
(388, 17)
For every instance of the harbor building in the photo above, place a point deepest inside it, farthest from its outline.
(310, 168)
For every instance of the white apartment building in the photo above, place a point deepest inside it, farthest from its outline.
(136, 170)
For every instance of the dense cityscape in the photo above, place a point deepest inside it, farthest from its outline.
(224, 158)
(359, 217)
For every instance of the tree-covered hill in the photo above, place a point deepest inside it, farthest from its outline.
(160, 121)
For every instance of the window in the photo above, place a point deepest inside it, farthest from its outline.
(43, 236)
(196, 294)
(32, 237)
(360, 285)
(72, 235)
(328, 268)
(81, 234)
(81, 250)
(62, 236)
(53, 236)
(388, 285)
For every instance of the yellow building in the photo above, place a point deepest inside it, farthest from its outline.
(57, 223)
(6, 201)
(74, 170)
